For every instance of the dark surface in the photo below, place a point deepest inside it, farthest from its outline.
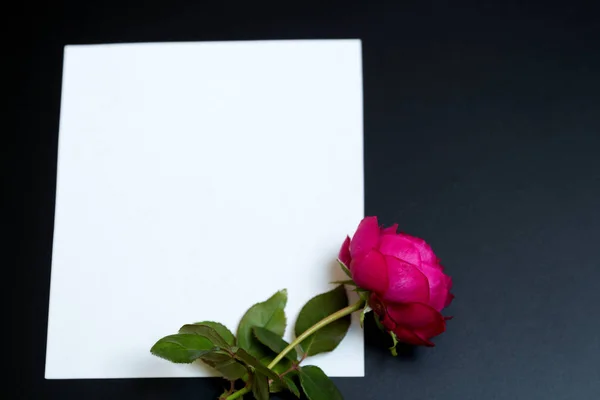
(482, 135)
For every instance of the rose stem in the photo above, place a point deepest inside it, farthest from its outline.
(325, 321)
(239, 393)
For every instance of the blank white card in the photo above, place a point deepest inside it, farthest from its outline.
(194, 180)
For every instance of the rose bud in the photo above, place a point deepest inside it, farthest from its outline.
(407, 283)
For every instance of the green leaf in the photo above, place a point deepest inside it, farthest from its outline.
(317, 385)
(291, 385)
(208, 332)
(231, 369)
(344, 268)
(216, 357)
(393, 348)
(274, 342)
(250, 360)
(281, 368)
(277, 387)
(269, 315)
(317, 308)
(260, 386)
(221, 330)
(365, 310)
(287, 382)
(224, 363)
(346, 282)
(182, 348)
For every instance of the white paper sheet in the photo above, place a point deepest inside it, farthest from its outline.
(194, 180)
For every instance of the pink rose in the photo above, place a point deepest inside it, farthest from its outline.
(407, 283)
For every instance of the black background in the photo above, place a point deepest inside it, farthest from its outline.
(482, 135)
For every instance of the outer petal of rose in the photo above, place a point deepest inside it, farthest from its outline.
(449, 299)
(399, 247)
(390, 230)
(438, 266)
(388, 323)
(370, 272)
(380, 309)
(406, 282)
(344, 255)
(420, 318)
(432, 330)
(366, 237)
(427, 255)
(405, 335)
(438, 288)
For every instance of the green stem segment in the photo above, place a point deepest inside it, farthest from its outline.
(325, 321)
(239, 393)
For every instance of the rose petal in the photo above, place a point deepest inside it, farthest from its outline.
(366, 237)
(344, 255)
(420, 318)
(377, 304)
(438, 266)
(427, 254)
(449, 299)
(387, 322)
(406, 282)
(390, 230)
(438, 288)
(405, 335)
(370, 272)
(399, 247)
